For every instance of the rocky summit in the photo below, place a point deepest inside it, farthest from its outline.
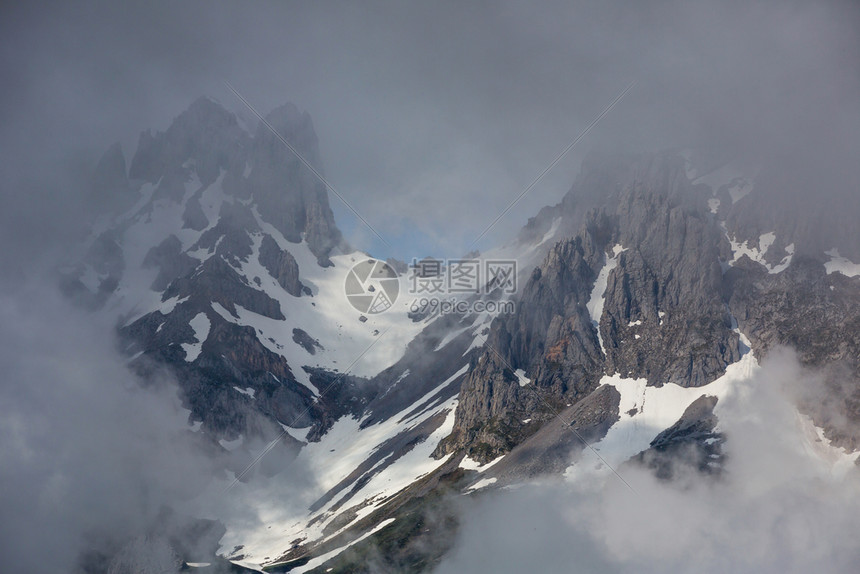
(658, 282)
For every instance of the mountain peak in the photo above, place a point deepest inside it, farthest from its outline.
(206, 133)
(286, 115)
(110, 186)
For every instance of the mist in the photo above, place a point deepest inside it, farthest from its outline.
(431, 118)
(91, 458)
(783, 504)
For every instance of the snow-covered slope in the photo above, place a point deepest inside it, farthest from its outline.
(229, 273)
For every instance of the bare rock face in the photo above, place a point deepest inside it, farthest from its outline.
(787, 200)
(225, 185)
(550, 337)
(218, 282)
(193, 217)
(663, 317)
(640, 281)
(205, 134)
(230, 358)
(818, 316)
(289, 195)
(692, 443)
(305, 341)
(670, 305)
(281, 265)
(551, 449)
(230, 237)
(207, 140)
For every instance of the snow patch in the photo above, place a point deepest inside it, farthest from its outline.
(327, 316)
(469, 464)
(323, 558)
(757, 254)
(232, 444)
(299, 434)
(713, 205)
(168, 306)
(729, 175)
(200, 324)
(435, 391)
(839, 264)
(340, 451)
(595, 302)
(839, 460)
(521, 377)
(644, 412)
(483, 483)
(450, 337)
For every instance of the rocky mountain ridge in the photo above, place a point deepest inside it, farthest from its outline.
(220, 256)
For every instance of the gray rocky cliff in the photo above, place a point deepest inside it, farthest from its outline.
(224, 184)
(663, 316)
(206, 134)
(818, 316)
(795, 199)
(288, 194)
(692, 443)
(281, 265)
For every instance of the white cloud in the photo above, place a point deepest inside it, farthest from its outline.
(779, 508)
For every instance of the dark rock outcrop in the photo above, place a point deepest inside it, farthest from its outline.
(818, 316)
(92, 281)
(690, 443)
(289, 195)
(230, 237)
(216, 281)
(666, 283)
(305, 341)
(667, 286)
(281, 265)
(205, 134)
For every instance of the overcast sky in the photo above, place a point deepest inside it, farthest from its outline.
(431, 116)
